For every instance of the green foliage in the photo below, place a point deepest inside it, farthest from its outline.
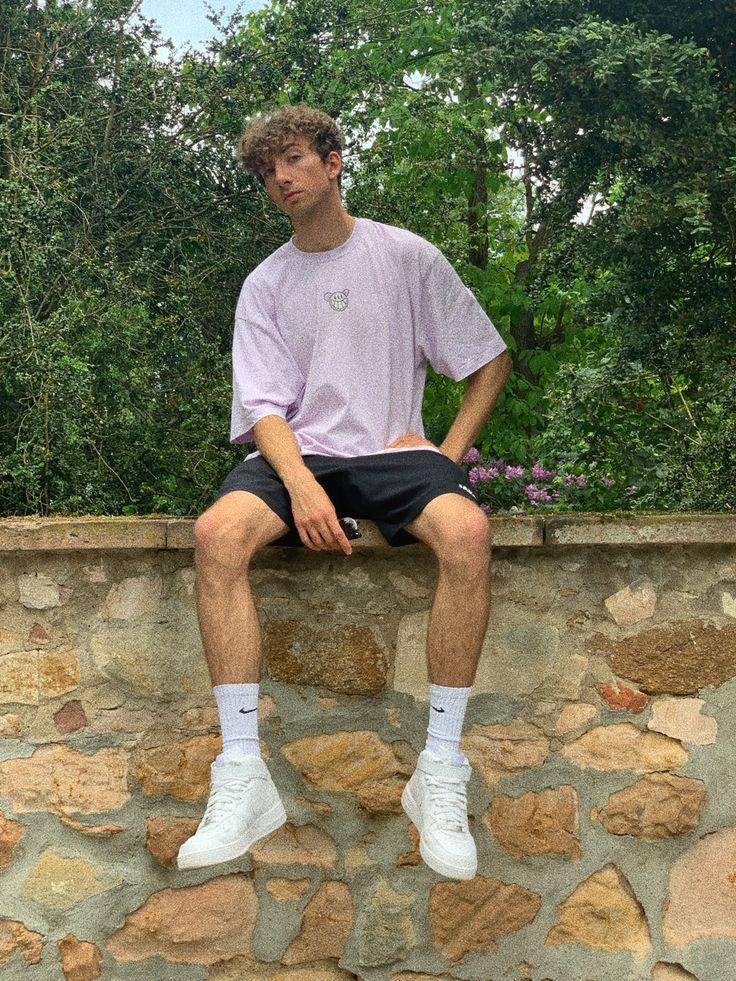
(126, 230)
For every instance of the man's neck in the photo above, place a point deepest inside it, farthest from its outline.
(324, 232)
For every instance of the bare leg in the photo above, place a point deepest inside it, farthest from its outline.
(227, 537)
(457, 622)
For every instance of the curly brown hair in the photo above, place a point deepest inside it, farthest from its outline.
(265, 135)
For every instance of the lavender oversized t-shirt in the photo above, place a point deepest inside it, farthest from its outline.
(337, 342)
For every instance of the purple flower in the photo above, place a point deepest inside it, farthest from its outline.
(486, 508)
(474, 475)
(581, 481)
(607, 482)
(472, 456)
(513, 472)
(631, 491)
(498, 465)
(539, 473)
(569, 479)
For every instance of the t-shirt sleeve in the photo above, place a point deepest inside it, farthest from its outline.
(454, 332)
(266, 379)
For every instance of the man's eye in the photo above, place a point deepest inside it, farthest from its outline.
(295, 156)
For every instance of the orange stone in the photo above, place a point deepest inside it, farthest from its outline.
(603, 913)
(180, 770)
(296, 845)
(60, 779)
(58, 672)
(11, 833)
(619, 696)
(537, 823)
(497, 750)
(467, 916)
(80, 961)
(166, 835)
(192, 925)
(345, 760)
(342, 657)
(382, 796)
(14, 936)
(327, 921)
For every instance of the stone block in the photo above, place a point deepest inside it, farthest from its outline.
(70, 718)
(474, 915)
(681, 719)
(180, 770)
(240, 969)
(11, 833)
(617, 695)
(57, 882)
(11, 725)
(14, 937)
(660, 805)
(59, 779)
(728, 604)
(671, 972)
(166, 835)
(296, 845)
(192, 925)
(19, 678)
(80, 961)
(625, 747)
(125, 655)
(604, 914)
(345, 760)
(58, 672)
(574, 717)
(701, 900)
(38, 591)
(326, 924)
(288, 890)
(133, 597)
(541, 822)
(342, 657)
(634, 603)
(677, 659)
(497, 750)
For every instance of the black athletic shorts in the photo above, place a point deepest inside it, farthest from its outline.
(389, 488)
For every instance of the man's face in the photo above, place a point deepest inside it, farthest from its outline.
(297, 179)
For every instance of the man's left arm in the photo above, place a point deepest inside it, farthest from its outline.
(484, 387)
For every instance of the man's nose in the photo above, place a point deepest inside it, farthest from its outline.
(281, 172)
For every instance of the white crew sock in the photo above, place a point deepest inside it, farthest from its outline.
(447, 708)
(238, 708)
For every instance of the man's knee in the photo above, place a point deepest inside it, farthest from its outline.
(227, 535)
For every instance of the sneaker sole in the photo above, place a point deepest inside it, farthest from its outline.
(270, 821)
(434, 861)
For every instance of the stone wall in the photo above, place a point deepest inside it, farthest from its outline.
(602, 734)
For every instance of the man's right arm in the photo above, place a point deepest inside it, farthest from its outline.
(314, 514)
(277, 444)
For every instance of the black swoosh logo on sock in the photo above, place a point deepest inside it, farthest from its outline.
(247, 711)
(436, 709)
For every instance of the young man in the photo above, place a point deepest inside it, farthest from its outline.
(333, 333)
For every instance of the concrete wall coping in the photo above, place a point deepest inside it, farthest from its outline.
(80, 533)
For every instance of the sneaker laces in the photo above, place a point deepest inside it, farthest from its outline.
(223, 800)
(449, 802)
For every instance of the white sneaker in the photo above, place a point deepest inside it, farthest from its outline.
(244, 806)
(435, 798)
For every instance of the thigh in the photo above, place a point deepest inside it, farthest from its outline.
(394, 488)
(237, 525)
(252, 508)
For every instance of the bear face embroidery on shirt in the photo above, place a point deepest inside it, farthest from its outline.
(338, 300)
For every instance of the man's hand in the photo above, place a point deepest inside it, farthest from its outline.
(411, 439)
(315, 516)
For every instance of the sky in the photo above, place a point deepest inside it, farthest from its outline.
(185, 21)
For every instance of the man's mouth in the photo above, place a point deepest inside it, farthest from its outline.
(291, 194)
